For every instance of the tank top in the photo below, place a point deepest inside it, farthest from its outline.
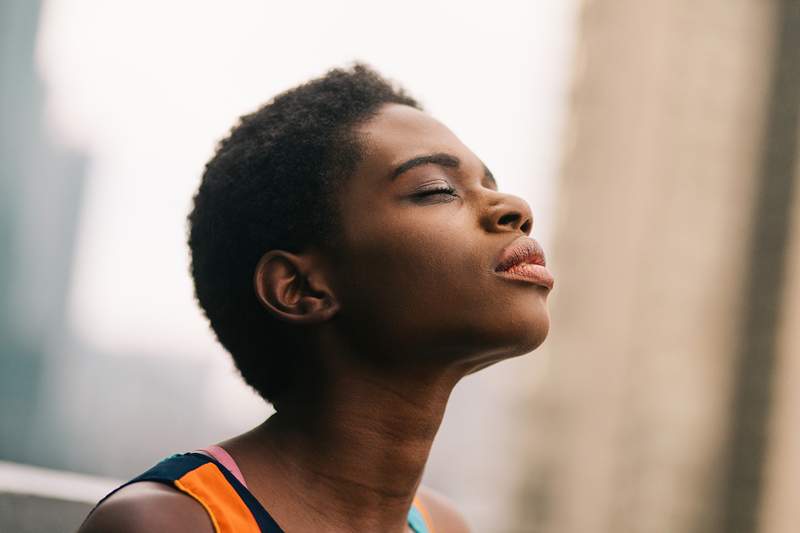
(214, 480)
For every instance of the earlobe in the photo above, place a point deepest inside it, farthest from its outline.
(289, 287)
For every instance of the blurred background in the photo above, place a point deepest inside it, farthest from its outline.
(655, 141)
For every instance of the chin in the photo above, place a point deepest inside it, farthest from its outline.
(524, 343)
(531, 332)
(529, 340)
(524, 337)
(539, 334)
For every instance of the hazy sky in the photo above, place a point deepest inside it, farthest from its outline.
(147, 88)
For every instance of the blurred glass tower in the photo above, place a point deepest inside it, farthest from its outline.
(673, 397)
(63, 404)
(41, 185)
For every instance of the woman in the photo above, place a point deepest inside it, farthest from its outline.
(357, 260)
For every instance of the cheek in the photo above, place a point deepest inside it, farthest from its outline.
(412, 264)
(406, 285)
(409, 273)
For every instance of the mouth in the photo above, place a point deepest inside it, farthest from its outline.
(524, 260)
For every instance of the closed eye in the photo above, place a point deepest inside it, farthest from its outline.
(438, 195)
(446, 190)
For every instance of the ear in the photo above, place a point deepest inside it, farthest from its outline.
(293, 288)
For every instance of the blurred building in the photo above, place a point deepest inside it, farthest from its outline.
(671, 401)
(58, 396)
(40, 193)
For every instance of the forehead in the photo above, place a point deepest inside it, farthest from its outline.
(398, 133)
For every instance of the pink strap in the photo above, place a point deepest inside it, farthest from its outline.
(219, 453)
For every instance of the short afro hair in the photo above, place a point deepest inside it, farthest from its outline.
(273, 183)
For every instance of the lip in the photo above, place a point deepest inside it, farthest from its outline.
(524, 260)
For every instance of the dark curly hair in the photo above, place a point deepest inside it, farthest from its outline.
(273, 183)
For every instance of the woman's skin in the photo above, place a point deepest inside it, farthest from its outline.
(406, 306)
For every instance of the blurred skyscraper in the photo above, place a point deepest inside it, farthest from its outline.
(40, 193)
(58, 396)
(671, 403)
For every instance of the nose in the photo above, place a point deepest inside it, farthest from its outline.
(509, 213)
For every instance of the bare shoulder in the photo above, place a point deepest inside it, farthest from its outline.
(445, 515)
(148, 506)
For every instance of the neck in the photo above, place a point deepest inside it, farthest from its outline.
(353, 456)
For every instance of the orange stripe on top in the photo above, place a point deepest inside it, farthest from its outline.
(424, 512)
(228, 512)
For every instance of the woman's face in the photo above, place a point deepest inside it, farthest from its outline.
(416, 276)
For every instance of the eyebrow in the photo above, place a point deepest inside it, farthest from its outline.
(442, 159)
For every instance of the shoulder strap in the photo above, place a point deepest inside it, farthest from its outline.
(231, 507)
(228, 512)
(225, 459)
(418, 518)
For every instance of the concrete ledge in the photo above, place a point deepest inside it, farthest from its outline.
(39, 500)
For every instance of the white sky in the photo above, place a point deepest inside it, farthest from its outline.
(148, 87)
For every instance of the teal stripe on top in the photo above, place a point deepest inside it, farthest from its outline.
(416, 522)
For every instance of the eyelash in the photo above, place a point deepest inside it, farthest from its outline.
(447, 190)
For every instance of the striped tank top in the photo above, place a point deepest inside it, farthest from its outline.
(211, 477)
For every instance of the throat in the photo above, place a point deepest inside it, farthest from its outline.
(358, 467)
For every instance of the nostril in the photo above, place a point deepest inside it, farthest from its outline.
(513, 219)
(505, 219)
